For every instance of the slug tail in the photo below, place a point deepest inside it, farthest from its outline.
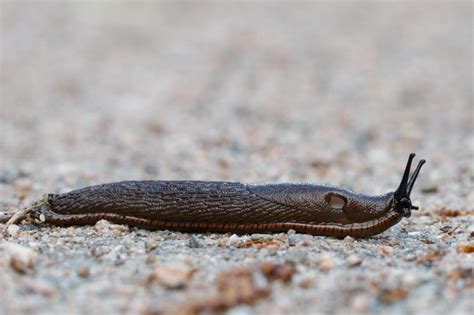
(22, 214)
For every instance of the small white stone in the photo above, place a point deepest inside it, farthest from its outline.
(261, 237)
(13, 230)
(106, 226)
(42, 217)
(360, 303)
(348, 239)
(234, 239)
(353, 260)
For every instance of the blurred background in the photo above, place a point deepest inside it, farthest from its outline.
(95, 91)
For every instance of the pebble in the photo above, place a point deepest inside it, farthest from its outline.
(360, 303)
(392, 295)
(306, 282)
(409, 257)
(98, 251)
(150, 259)
(261, 237)
(234, 240)
(353, 260)
(385, 249)
(349, 239)
(104, 225)
(84, 272)
(151, 245)
(300, 239)
(465, 248)
(241, 310)
(292, 239)
(13, 230)
(193, 242)
(22, 259)
(411, 279)
(172, 276)
(326, 263)
(430, 189)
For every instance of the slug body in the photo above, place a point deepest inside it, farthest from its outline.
(231, 207)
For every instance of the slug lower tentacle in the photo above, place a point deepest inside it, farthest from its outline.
(231, 207)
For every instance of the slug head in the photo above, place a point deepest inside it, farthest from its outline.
(328, 204)
(361, 208)
(401, 197)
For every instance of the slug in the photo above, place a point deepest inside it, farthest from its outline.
(214, 206)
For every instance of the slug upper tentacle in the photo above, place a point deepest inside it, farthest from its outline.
(231, 207)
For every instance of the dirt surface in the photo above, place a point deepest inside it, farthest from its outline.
(339, 93)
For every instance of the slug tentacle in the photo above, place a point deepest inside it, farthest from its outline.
(411, 183)
(402, 194)
(230, 207)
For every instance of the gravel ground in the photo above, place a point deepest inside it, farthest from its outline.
(339, 93)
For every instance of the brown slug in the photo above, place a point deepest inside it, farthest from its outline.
(208, 206)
